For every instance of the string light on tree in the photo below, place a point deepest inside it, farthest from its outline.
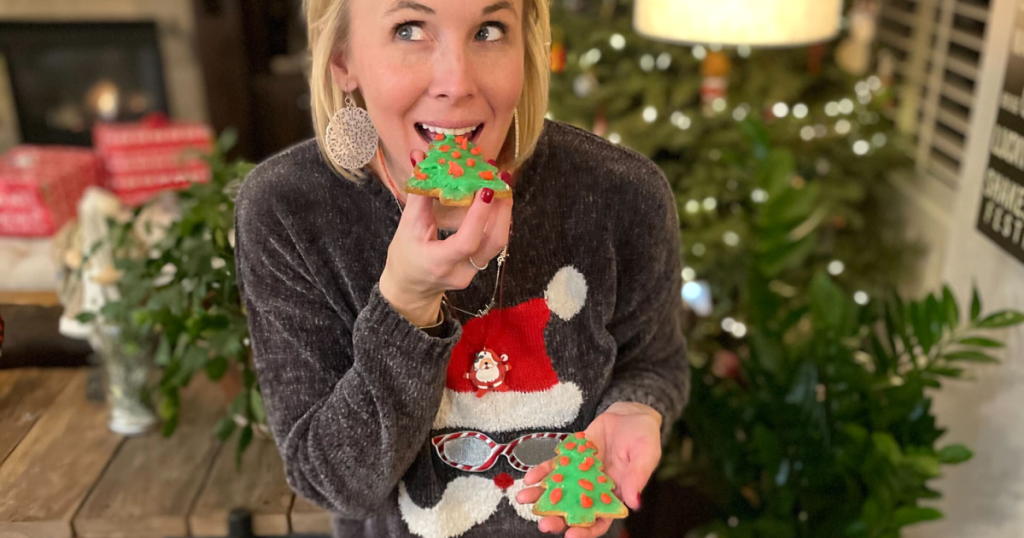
(878, 139)
(650, 114)
(692, 206)
(589, 58)
(861, 147)
(731, 238)
(780, 110)
(739, 330)
(680, 120)
(614, 138)
(698, 249)
(832, 109)
(861, 298)
(807, 132)
(710, 203)
(836, 267)
(727, 324)
(800, 111)
(699, 52)
(846, 106)
(842, 127)
(739, 113)
(617, 41)
(874, 83)
(743, 51)
(820, 131)
(689, 274)
(664, 61)
(759, 196)
(718, 104)
(647, 62)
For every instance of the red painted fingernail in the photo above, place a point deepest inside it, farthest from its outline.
(505, 176)
(492, 162)
(637, 501)
(487, 195)
(412, 160)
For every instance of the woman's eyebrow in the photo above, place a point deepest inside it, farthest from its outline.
(409, 4)
(498, 6)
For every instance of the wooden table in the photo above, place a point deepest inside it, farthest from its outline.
(64, 474)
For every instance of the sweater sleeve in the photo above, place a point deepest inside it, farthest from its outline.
(651, 365)
(350, 392)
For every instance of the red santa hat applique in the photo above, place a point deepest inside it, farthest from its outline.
(500, 376)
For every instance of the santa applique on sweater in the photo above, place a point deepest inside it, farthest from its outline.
(488, 372)
(500, 379)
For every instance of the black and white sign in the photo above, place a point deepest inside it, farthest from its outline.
(1001, 217)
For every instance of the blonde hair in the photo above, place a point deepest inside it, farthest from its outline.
(328, 32)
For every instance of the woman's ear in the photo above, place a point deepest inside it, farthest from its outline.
(340, 72)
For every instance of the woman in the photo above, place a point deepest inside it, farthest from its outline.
(407, 369)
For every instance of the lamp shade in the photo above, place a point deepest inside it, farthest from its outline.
(738, 22)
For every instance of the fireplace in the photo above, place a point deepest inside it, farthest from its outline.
(66, 76)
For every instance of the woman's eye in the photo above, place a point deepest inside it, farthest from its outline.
(409, 32)
(490, 32)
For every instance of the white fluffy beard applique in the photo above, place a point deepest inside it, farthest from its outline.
(467, 502)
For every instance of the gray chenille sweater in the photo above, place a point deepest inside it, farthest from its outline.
(404, 432)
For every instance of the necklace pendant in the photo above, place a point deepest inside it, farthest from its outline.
(488, 372)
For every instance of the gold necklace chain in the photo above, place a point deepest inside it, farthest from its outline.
(495, 296)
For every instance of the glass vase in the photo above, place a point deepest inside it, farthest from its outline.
(126, 367)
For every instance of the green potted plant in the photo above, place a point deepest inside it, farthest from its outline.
(818, 421)
(179, 294)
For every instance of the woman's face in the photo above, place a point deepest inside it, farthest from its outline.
(430, 65)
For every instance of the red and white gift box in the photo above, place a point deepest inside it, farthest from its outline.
(153, 155)
(40, 187)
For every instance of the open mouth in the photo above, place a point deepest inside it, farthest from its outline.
(427, 132)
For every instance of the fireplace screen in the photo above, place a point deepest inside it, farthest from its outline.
(67, 76)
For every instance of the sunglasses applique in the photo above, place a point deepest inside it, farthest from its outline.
(475, 452)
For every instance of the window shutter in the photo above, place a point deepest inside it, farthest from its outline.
(937, 45)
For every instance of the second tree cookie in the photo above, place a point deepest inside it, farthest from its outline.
(577, 489)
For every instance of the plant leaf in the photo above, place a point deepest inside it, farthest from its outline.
(972, 356)
(975, 303)
(981, 342)
(225, 427)
(951, 308)
(243, 442)
(954, 454)
(1004, 318)
(908, 515)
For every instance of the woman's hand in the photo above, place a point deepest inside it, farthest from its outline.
(628, 439)
(420, 267)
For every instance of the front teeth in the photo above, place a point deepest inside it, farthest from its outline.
(452, 132)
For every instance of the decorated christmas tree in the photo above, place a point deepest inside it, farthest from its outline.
(577, 489)
(454, 170)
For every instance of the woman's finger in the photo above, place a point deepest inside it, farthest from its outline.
(497, 231)
(418, 217)
(467, 240)
(538, 473)
(529, 495)
(416, 156)
(552, 524)
(642, 462)
(599, 528)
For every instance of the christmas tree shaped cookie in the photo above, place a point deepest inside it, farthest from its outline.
(577, 489)
(454, 170)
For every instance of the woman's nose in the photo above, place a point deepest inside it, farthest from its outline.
(454, 75)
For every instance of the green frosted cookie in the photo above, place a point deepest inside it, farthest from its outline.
(454, 170)
(577, 489)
